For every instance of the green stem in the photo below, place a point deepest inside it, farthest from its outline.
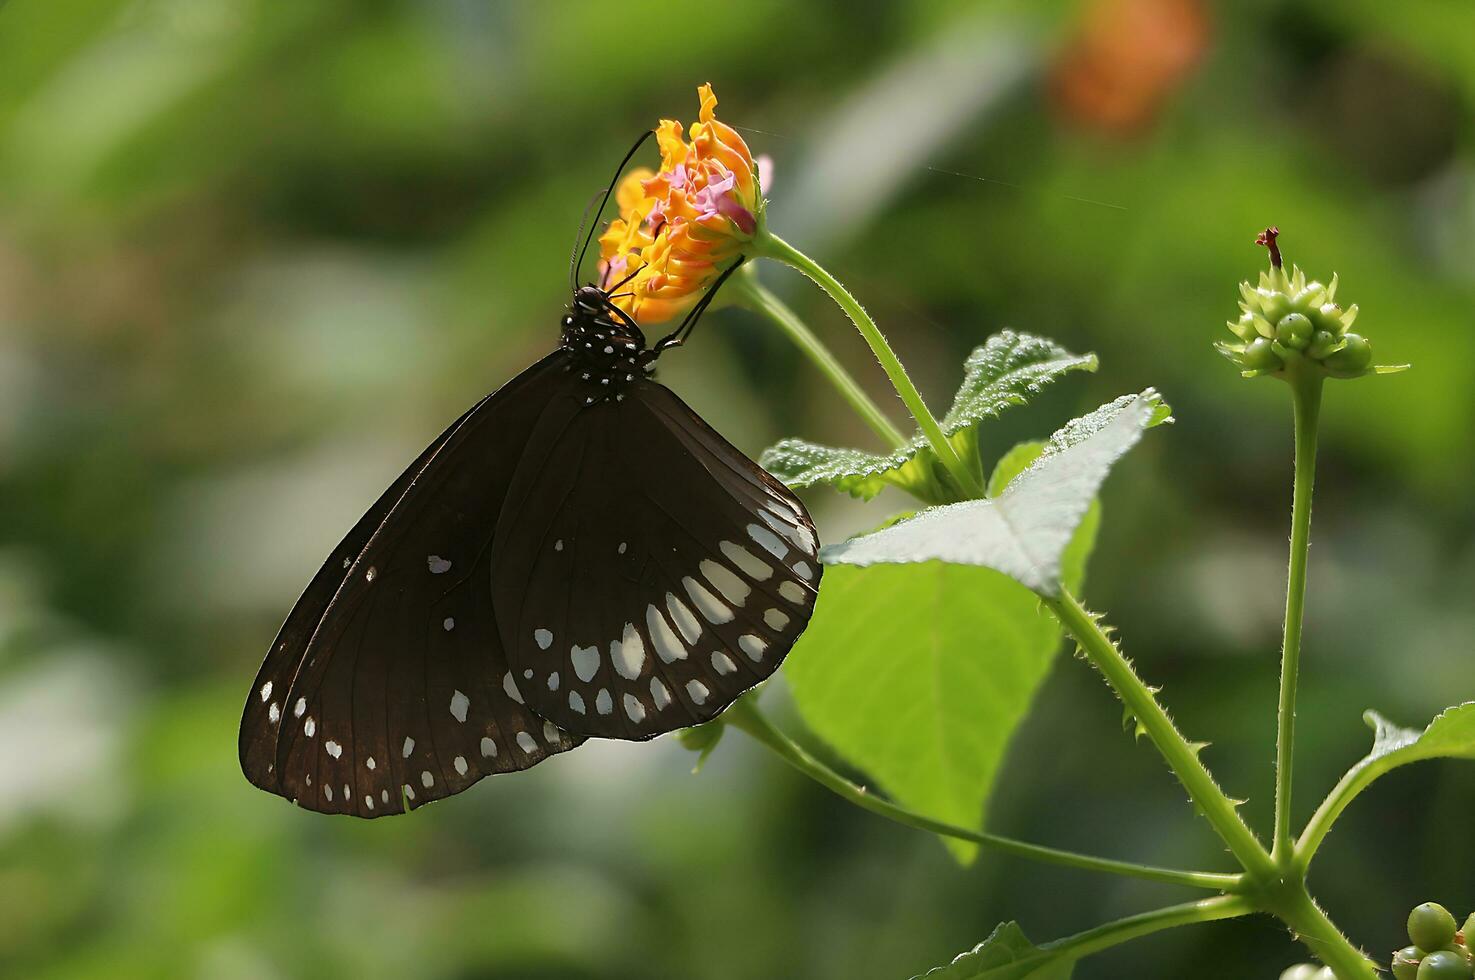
(748, 291)
(776, 248)
(1134, 926)
(1306, 390)
(746, 716)
(1319, 934)
(1181, 757)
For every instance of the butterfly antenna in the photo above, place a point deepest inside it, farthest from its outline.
(678, 336)
(573, 272)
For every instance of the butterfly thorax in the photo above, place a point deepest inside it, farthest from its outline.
(606, 348)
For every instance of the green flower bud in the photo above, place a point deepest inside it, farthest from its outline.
(1431, 927)
(1354, 358)
(1301, 971)
(1300, 318)
(1406, 963)
(1444, 965)
(1468, 933)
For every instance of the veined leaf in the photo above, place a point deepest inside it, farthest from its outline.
(1005, 955)
(1004, 372)
(1023, 532)
(919, 675)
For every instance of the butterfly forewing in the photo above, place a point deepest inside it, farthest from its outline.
(398, 692)
(646, 572)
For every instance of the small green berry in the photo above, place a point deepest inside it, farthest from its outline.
(1355, 357)
(1260, 356)
(1321, 342)
(1294, 330)
(1406, 963)
(1301, 971)
(1468, 933)
(1444, 964)
(1431, 927)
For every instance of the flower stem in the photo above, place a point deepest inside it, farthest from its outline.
(1306, 391)
(1295, 907)
(1132, 927)
(776, 248)
(747, 717)
(1181, 757)
(748, 291)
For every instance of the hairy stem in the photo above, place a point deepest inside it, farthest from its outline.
(1181, 757)
(771, 246)
(747, 717)
(1319, 934)
(1134, 926)
(1306, 388)
(746, 290)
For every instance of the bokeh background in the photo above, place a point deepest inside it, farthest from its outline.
(253, 255)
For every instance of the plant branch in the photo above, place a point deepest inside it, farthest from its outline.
(1181, 757)
(1306, 389)
(1134, 926)
(746, 290)
(747, 717)
(771, 246)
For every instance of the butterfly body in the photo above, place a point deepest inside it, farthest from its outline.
(579, 555)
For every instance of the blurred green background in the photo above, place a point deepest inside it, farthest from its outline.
(253, 255)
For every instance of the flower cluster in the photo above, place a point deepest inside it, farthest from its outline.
(1287, 320)
(682, 225)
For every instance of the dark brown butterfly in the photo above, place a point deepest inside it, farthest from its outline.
(579, 555)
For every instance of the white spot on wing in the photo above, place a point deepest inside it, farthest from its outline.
(328, 792)
(553, 681)
(634, 708)
(426, 779)
(543, 638)
(510, 686)
(299, 707)
(370, 764)
(668, 648)
(723, 664)
(802, 569)
(449, 624)
(309, 727)
(558, 545)
(438, 565)
(686, 620)
(659, 693)
(586, 662)
(776, 619)
(526, 743)
(752, 646)
(698, 691)
(488, 749)
(628, 653)
(733, 589)
(369, 801)
(576, 701)
(767, 540)
(409, 791)
(274, 713)
(711, 607)
(460, 763)
(266, 692)
(371, 574)
(409, 747)
(752, 566)
(334, 749)
(551, 734)
(793, 591)
(459, 704)
(603, 703)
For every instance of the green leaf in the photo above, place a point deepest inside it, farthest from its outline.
(1004, 372)
(1005, 955)
(919, 674)
(1024, 531)
(1449, 736)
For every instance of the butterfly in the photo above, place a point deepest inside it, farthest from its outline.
(578, 555)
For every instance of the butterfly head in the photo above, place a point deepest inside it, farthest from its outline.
(606, 346)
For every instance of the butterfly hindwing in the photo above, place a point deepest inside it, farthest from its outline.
(647, 572)
(398, 692)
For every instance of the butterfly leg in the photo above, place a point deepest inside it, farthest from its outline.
(678, 336)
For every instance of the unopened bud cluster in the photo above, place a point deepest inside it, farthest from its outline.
(1289, 321)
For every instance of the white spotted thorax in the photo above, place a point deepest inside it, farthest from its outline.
(607, 350)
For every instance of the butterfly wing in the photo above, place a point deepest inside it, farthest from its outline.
(647, 572)
(384, 688)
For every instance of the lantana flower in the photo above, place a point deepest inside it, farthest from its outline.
(682, 225)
